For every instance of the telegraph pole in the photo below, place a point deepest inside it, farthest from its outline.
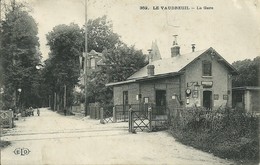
(1, 89)
(0, 14)
(86, 56)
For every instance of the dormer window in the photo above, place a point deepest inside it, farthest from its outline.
(206, 68)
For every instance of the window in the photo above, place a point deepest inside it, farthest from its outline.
(92, 63)
(206, 68)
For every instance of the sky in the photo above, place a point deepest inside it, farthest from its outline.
(232, 27)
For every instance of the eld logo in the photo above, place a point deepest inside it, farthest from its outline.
(21, 151)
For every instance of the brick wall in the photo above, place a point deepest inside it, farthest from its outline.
(147, 89)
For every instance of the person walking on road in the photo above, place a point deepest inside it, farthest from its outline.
(38, 111)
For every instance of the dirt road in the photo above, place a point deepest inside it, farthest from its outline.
(54, 139)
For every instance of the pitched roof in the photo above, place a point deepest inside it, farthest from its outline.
(93, 53)
(144, 78)
(176, 64)
(168, 65)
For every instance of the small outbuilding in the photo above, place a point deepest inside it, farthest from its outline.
(247, 98)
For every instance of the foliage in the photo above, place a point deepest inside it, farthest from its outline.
(4, 144)
(67, 44)
(101, 35)
(62, 68)
(19, 56)
(248, 72)
(225, 132)
(119, 64)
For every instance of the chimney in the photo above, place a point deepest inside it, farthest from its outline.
(175, 50)
(193, 47)
(150, 70)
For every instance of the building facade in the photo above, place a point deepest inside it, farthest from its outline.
(93, 61)
(200, 78)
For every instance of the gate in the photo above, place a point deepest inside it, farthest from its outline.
(148, 117)
(140, 120)
(106, 114)
(121, 113)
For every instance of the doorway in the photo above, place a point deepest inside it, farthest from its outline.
(160, 102)
(207, 99)
(125, 101)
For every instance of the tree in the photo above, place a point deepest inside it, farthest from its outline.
(119, 64)
(19, 55)
(62, 68)
(101, 35)
(248, 72)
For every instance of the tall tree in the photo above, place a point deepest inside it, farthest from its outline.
(249, 72)
(19, 55)
(62, 68)
(119, 64)
(101, 35)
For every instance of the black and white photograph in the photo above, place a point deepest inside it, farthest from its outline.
(173, 82)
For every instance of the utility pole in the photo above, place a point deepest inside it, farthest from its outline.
(0, 14)
(86, 56)
(0, 28)
(65, 99)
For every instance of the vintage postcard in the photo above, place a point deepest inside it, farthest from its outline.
(129, 82)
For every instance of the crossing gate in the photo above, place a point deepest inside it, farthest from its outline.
(140, 121)
(108, 115)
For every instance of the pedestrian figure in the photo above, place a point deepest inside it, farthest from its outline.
(38, 111)
(32, 111)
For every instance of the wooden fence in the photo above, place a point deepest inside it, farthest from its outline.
(6, 117)
(94, 110)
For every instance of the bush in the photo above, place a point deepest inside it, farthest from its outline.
(225, 132)
(4, 144)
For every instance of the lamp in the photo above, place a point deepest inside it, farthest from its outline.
(19, 99)
(39, 66)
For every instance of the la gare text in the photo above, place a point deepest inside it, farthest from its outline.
(176, 8)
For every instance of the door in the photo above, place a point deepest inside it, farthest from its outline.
(125, 101)
(160, 102)
(207, 99)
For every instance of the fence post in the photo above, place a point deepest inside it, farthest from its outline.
(114, 115)
(130, 120)
(150, 117)
(102, 115)
(11, 116)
